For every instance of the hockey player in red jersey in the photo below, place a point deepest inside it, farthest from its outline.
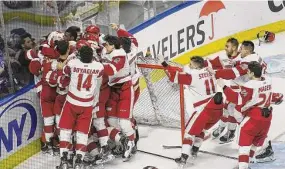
(85, 74)
(130, 45)
(222, 62)
(208, 104)
(253, 111)
(48, 93)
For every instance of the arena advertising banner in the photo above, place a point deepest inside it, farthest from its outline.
(21, 122)
(205, 22)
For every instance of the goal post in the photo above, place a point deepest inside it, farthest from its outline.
(161, 102)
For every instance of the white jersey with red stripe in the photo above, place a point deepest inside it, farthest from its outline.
(35, 67)
(124, 74)
(201, 84)
(240, 80)
(261, 93)
(84, 81)
(132, 57)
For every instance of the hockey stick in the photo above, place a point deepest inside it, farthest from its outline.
(154, 154)
(201, 151)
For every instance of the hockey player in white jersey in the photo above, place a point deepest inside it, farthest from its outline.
(224, 61)
(207, 103)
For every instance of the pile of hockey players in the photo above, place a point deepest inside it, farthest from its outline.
(88, 84)
(234, 89)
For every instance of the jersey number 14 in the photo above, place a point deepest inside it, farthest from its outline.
(86, 84)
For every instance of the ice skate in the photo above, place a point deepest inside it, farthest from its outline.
(47, 148)
(181, 161)
(127, 147)
(118, 151)
(217, 132)
(55, 146)
(44, 147)
(63, 161)
(104, 160)
(78, 164)
(194, 151)
(105, 151)
(228, 137)
(266, 155)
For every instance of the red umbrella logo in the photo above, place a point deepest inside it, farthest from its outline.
(209, 8)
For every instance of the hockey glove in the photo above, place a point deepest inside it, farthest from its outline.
(266, 111)
(218, 98)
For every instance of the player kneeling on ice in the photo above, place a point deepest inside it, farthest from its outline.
(208, 104)
(254, 113)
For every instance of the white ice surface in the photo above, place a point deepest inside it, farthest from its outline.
(156, 137)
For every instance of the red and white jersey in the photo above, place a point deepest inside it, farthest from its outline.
(132, 56)
(84, 81)
(254, 93)
(222, 61)
(201, 84)
(239, 73)
(35, 67)
(120, 65)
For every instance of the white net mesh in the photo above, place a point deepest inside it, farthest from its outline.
(159, 101)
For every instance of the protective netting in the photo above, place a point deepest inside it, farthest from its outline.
(39, 18)
(159, 101)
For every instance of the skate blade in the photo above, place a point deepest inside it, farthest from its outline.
(105, 160)
(227, 142)
(266, 160)
(64, 166)
(181, 166)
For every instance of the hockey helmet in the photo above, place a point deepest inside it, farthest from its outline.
(82, 43)
(265, 36)
(53, 37)
(91, 37)
(92, 29)
(150, 167)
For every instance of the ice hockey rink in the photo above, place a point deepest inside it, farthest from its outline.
(155, 137)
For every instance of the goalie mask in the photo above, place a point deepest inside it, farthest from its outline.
(265, 36)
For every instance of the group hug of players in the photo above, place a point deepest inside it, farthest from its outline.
(233, 89)
(88, 84)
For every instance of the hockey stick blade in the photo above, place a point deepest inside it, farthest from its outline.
(201, 151)
(154, 154)
(170, 147)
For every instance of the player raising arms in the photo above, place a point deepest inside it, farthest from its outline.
(224, 61)
(207, 102)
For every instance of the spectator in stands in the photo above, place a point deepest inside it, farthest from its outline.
(3, 76)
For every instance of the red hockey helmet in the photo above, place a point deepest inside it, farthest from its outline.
(92, 29)
(54, 36)
(91, 37)
(82, 43)
(265, 36)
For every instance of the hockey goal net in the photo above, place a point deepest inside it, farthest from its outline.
(161, 102)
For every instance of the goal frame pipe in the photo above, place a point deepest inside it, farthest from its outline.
(181, 92)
